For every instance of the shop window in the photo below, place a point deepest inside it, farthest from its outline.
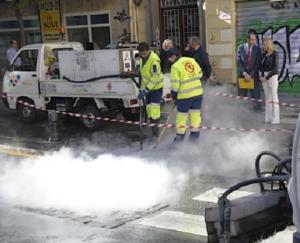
(9, 30)
(33, 37)
(92, 30)
(77, 20)
(100, 19)
(101, 37)
(79, 35)
(31, 23)
(11, 24)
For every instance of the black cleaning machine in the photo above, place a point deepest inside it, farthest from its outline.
(258, 216)
(252, 218)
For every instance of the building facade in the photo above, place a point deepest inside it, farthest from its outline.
(221, 24)
(96, 24)
(227, 24)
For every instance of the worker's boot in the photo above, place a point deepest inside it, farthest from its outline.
(155, 129)
(179, 138)
(194, 137)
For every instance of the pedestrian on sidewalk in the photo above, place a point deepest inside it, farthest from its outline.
(269, 79)
(248, 61)
(195, 50)
(187, 92)
(11, 53)
(164, 62)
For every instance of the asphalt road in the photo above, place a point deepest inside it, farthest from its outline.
(220, 160)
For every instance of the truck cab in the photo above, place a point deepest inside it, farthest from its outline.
(22, 79)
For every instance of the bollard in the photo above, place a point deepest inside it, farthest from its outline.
(53, 126)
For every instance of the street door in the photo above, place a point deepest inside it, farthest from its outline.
(179, 21)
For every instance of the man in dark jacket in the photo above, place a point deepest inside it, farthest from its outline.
(248, 60)
(196, 51)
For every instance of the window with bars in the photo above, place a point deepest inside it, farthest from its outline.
(177, 3)
(180, 20)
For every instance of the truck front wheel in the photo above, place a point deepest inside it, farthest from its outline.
(26, 114)
(90, 123)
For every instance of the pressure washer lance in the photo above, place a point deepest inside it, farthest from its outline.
(165, 128)
(142, 104)
(141, 126)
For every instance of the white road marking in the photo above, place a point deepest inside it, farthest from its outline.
(178, 221)
(214, 194)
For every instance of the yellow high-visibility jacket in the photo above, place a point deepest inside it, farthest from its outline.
(152, 77)
(186, 77)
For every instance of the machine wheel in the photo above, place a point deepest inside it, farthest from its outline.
(90, 123)
(26, 114)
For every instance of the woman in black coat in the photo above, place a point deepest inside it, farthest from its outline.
(269, 79)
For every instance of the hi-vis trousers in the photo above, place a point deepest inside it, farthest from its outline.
(153, 101)
(185, 107)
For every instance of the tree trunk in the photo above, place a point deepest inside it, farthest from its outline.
(19, 17)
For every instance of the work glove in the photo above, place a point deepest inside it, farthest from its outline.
(174, 95)
(142, 94)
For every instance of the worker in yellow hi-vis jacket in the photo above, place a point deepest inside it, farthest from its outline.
(152, 83)
(187, 90)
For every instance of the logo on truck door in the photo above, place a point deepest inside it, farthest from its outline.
(15, 79)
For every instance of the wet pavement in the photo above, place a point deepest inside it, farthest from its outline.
(221, 159)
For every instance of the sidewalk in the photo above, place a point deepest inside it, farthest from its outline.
(289, 115)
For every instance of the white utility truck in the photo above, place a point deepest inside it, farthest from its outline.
(64, 77)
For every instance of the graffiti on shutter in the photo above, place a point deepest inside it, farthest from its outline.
(288, 48)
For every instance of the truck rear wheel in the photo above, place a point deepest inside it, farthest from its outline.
(90, 123)
(26, 114)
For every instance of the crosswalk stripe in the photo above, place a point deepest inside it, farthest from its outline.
(214, 194)
(177, 221)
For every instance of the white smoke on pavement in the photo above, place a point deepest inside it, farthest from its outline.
(74, 181)
(225, 153)
(283, 236)
(88, 186)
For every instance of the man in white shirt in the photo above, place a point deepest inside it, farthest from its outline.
(12, 52)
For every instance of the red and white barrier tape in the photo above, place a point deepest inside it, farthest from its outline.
(231, 96)
(145, 124)
(161, 125)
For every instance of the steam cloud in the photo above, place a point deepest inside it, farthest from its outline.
(69, 180)
(86, 185)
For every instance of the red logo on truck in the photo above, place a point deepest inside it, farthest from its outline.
(109, 86)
